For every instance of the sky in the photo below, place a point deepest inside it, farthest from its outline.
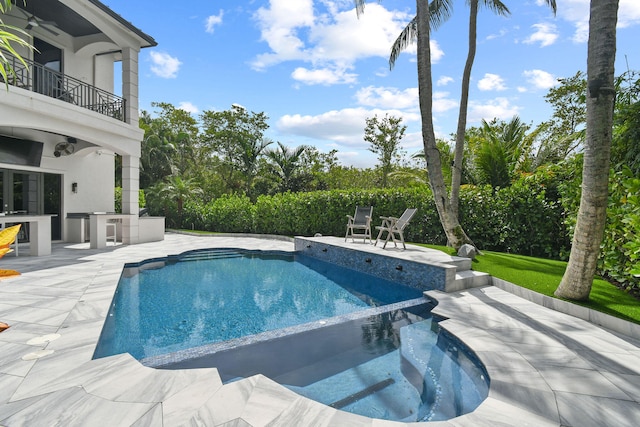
(318, 71)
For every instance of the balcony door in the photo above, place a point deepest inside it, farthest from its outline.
(49, 57)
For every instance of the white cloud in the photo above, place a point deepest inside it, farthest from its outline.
(188, 107)
(545, 34)
(491, 82)
(388, 97)
(628, 13)
(323, 76)
(444, 80)
(499, 108)
(330, 40)
(343, 127)
(442, 102)
(164, 65)
(497, 35)
(577, 13)
(212, 21)
(540, 79)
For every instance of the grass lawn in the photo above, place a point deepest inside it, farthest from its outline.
(543, 276)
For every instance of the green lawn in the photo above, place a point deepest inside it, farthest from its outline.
(543, 276)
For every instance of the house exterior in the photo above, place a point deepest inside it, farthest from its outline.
(61, 121)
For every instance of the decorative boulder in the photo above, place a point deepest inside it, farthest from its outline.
(467, 251)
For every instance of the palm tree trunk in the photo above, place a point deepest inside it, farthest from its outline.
(456, 173)
(587, 237)
(454, 232)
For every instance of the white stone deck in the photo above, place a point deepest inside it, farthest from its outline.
(546, 368)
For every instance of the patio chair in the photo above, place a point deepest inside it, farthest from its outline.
(360, 221)
(394, 228)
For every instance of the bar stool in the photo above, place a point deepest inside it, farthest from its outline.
(111, 232)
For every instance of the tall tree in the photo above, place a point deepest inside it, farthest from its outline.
(440, 11)
(456, 176)
(384, 136)
(587, 237)
(456, 235)
(237, 136)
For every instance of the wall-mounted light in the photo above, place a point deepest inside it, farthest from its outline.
(74, 187)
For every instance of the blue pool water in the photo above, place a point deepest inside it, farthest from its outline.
(216, 296)
(346, 339)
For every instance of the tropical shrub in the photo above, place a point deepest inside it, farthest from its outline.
(620, 253)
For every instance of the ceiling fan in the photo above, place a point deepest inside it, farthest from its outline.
(65, 148)
(33, 22)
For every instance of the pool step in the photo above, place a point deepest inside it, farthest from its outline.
(352, 398)
(206, 255)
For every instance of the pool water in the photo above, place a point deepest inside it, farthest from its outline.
(214, 296)
(343, 338)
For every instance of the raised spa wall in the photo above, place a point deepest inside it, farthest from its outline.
(384, 265)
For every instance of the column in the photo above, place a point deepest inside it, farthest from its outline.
(130, 83)
(130, 186)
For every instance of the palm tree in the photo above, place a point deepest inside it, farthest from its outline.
(7, 41)
(503, 149)
(440, 11)
(456, 236)
(286, 164)
(587, 236)
(178, 189)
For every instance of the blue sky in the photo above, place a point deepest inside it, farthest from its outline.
(318, 71)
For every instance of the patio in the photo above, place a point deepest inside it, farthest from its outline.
(546, 367)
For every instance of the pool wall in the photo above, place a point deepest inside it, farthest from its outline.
(410, 273)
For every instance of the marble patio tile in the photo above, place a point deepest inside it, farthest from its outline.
(525, 336)
(9, 409)
(21, 332)
(153, 418)
(41, 316)
(600, 340)
(581, 381)
(630, 384)
(44, 291)
(226, 405)
(138, 383)
(58, 304)
(342, 418)
(535, 399)
(11, 358)
(511, 361)
(238, 422)
(592, 411)
(89, 310)
(8, 384)
(541, 357)
(56, 366)
(74, 407)
(23, 299)
(268, 399)
(529, 379)
(496, 413)
(305, 412)
(181, 406)
(79, 334)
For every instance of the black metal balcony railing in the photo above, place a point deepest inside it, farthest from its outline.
(40, 79)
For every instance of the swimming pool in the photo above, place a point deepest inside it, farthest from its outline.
(346, 339)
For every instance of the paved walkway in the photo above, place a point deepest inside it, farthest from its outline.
(546, 368)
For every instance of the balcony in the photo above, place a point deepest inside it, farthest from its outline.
(37, 78)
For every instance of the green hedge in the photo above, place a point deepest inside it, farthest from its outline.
(535, 216)
(518, 219)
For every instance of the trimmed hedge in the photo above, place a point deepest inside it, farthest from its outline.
(517, 219)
